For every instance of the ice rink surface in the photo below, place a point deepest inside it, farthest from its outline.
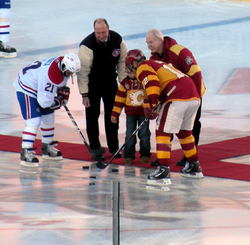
(55, 204)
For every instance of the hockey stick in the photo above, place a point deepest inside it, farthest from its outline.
(102, 165)
(97, 151)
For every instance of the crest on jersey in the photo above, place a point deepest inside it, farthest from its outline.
(189, 60)
(116, 52)
(136, 98)
(126, 86)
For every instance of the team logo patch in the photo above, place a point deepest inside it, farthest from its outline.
(189, 60)
(126, 86)
(116, 52)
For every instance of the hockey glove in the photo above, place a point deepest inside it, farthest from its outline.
(58, 101)
(149, 113)
(64, 93)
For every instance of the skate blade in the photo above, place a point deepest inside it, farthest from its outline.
(27, 171)
(193, 175)
(29, 164)
(159, 182)
(8, 55)
(157, 188)
(47, 157)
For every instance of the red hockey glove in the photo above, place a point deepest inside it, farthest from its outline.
(150, 114)
(57, 103)
(64, 93)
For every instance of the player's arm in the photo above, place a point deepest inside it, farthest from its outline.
(121, 62)
(119, 103)
(86, 57)
(190, 67)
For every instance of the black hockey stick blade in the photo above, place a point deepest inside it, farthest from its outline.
(101, 165)
(91, 151)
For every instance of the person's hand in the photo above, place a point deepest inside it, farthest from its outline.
(64, 92)
(150, 114)
(114, 120)
(56, 105)
(86, 102)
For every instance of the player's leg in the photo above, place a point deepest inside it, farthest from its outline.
(47, 130)
(196, 133)
(129, 149)
(166, 124)
(31, 113)
(144, 136)
(192, 168)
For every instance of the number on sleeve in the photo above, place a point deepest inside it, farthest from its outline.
(34, 65)
(172, 70)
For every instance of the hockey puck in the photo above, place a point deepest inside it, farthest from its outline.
(85, 168)
(91, 183)
(113, 170)
(92, 177)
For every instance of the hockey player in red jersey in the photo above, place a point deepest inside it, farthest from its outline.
(176, 115)
(41, 89)
(166, 49)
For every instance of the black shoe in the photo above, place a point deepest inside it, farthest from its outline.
(118, 155)
(98, 157)
(155, 163)
(192, 170)
(182, 162)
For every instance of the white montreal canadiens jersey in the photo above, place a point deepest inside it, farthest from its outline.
(40, 80)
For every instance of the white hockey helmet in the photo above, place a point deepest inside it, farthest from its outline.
(70, 62)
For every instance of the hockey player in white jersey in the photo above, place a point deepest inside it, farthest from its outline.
(41, 89)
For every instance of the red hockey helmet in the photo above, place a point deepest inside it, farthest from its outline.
(133, 54)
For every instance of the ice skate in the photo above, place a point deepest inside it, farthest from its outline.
(192, 170)
(28, 159)
(160, 177)
(7, 52)
(49, 152)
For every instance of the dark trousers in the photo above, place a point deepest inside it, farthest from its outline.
(92, 117)
(197, 125)
(143, 134)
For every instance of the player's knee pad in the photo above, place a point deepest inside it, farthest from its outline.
(163, 138)
(48, 119)
(184, 134)
(33, 122)
(5, 15)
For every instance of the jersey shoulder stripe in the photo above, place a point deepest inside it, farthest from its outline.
(176, 48)
(54, 73)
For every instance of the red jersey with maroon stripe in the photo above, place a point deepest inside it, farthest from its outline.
(183, 60)
(130, 95)
(158, 78)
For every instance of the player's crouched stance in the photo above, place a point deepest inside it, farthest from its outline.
(41, 89)
(175, 116)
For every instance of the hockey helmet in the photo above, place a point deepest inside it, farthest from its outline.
(71, 62)
(133, 54)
